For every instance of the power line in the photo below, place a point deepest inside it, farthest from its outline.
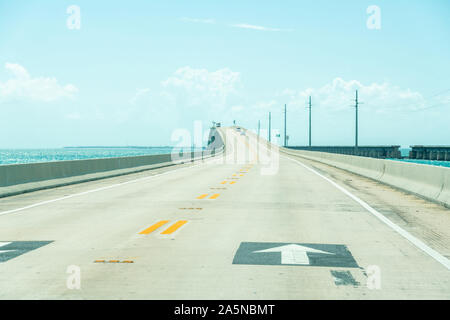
(433, 106)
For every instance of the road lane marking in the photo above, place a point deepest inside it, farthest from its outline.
(215, 196)
(203, 196)
(405, 234)
(174, 227)
(223, 182)
(232, 182)
(113, 261)
(295, 254)
(102, 188)
(154, 227)
(13, 249)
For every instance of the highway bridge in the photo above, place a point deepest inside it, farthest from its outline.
(253, 222)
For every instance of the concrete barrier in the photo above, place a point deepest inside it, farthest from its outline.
(444, 197)
(380, 152)
(20, 178)
(429, 182)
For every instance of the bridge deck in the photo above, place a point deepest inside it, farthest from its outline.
(184, 226)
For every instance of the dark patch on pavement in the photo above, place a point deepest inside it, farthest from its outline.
(12, 249)
(344, 278)
(294, 254)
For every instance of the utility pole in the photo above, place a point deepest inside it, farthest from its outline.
(270, 133)
(357, 103)
(309, 106)
(285, 116)
(257, 144)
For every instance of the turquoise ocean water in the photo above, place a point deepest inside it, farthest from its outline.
(16, 156)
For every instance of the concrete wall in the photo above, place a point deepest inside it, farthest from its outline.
(429, 182)
(381, 152)
(21, 178)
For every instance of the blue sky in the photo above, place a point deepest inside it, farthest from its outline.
(135, 71)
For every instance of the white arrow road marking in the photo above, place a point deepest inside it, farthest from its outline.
(2, 244)
(293, 253)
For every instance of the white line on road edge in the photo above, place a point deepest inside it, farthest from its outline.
(405, 234)
(99, 189)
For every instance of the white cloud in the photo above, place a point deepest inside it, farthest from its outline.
(196, 20)
(23, 86)
(202, 87)
(255, 27)
(340, 94)
(140, 93)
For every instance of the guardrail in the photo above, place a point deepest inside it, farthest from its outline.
(429, 182)
(21, 178)
(381, 152)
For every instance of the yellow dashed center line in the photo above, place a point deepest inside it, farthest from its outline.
(223, 182)
(154, 227)
(215, 196)
(202, 196)
(232, 182)
(113, 261)
(174, 227)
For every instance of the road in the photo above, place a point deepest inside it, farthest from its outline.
(234, 227)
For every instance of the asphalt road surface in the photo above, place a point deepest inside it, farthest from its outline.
(252, 224)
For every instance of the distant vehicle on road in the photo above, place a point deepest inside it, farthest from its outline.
(218, 125)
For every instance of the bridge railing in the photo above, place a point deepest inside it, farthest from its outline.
(21, 178)
(439, 153)
(381, 152)
(429, 182)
